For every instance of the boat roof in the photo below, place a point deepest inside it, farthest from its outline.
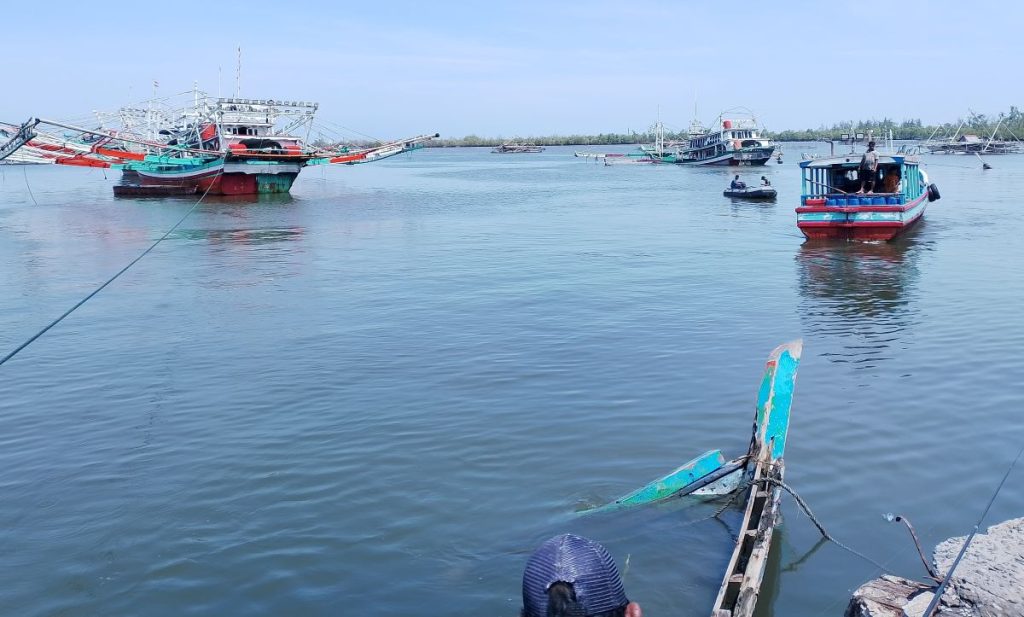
(853, 160)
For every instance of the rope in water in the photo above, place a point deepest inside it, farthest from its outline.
(803, 506)
(109, 281)
(821, 528)
(28, 186)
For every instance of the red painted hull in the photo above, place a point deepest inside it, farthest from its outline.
(861, 230)
(216, 182)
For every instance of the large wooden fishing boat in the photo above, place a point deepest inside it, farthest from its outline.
(833, 208)
(730, 141)
(219, 146)
(756, 475)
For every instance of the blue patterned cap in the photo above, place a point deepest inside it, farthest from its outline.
(582, 563)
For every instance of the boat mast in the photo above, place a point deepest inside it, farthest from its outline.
(238, 74)
(659, 135)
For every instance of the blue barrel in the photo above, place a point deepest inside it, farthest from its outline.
(831, 201)
(852, 201)
(890, 201)
(878, 201)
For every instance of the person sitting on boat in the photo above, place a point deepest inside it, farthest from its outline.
(572, 576)
(765, 181)
(868, 169)
(737, 183)
(891, 182)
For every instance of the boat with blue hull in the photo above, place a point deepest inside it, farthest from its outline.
(833, 208)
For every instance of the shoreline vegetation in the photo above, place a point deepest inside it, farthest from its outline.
(1010, 127)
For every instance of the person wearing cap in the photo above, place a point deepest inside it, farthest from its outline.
(868, 168)
(571, 576)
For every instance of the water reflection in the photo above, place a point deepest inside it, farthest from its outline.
(859, 293)
(249, 200)
(247, 237)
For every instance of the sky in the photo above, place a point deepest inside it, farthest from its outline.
(505, 69)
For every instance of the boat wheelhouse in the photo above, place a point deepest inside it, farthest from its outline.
(734, 142)
(833, 208)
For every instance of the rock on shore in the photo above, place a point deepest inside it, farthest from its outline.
(989, 582)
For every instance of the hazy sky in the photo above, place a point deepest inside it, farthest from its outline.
(396, 68)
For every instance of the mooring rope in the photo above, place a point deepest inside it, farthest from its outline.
(803, 506)
(111, 279)
(949, 574)
(821, 528)
(29, 187)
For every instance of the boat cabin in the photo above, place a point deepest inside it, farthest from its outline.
(835, 181)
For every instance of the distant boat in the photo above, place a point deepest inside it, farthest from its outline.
(512, 147)
(968, 143)
(731, 141)
(630, 159)
(832, 208)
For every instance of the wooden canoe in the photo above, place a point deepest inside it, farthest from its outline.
(741, 584)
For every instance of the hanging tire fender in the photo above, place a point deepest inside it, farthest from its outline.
(933, 192)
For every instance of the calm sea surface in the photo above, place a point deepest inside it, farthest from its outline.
(378, 395)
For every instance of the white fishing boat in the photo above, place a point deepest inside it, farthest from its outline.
(734, 140)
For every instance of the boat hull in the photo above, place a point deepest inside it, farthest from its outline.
(746, 157)
(217, 177)
(767, 194)
(866, 222)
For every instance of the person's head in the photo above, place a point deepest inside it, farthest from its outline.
(737, 177)
(763, 178)
(871, 145)
(570, 576)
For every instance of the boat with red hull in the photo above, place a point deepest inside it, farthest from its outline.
(215, 146)
(832, 208)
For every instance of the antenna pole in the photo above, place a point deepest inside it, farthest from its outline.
(238, 74)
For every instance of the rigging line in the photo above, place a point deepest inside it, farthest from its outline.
(111, 279)
(29, 187)
(352, 130)
(949, 574)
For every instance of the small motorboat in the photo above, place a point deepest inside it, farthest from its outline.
(760, 193)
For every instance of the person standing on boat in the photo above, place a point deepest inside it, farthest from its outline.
(571, 576)
(868, 169)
